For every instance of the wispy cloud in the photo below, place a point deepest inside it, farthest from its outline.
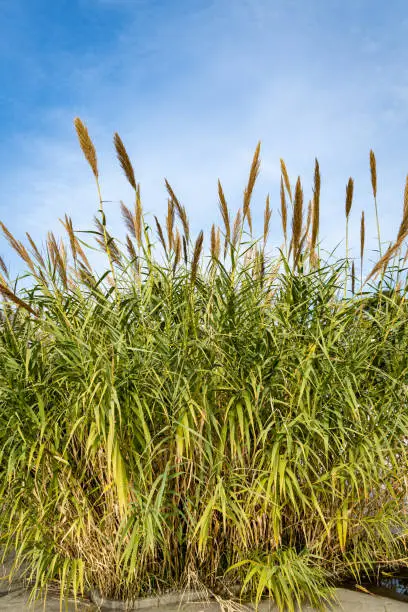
(191, 89)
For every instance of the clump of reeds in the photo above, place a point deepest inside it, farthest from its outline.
(221, 413)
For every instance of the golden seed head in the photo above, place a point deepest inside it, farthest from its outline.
(267, 218)
(250, 186)
(297, 220)
(286, 178)
(284, 209)
(124, 160)
(196, 256)
(349, 196)
(128, 219)
(236, 228)
(362, 235)
(86, 145)
(373, 172)
(170, 222)
(161, 235)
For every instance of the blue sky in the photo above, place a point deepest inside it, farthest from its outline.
(191, 86)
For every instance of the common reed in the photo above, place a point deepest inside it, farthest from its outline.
(316, 208)
(297, 221)
(373, 172)
(253, 173)
(229, 419)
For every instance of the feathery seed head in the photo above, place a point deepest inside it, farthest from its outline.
(349, 196)
(124, 160)
(86, 145)
(373, 172)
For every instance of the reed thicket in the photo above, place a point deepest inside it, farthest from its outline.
(204, 414)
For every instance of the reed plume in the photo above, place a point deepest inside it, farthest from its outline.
(124, 160)
(286, 178)
(7, 293)
(373, 172)
(170, 223)
(161, 234)
(196, 256)
(3, 267)
(225, 215)
(185, 249)
(18, 247)
(250, 186)
(284, 210)
(39, 258)
(86, 145)
(181, 211)
(177, 249)
(130, 249)
(267, 219)
(349, 196)
(316, 207)
(297, 221)
(215, 242)
(349, 202)
(67, 224)
(128, 219)
(237, 228)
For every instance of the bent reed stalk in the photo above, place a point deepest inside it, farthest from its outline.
(202, 418)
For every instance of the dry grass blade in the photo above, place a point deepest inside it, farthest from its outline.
(286, 178)
(10, 295)
(373, 172)
(297, 220)
(86, 145)
(196, 256)
(349, 196)
(250, 186)
(124, 160)
(267, 219)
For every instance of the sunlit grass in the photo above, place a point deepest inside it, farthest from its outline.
(225, 416)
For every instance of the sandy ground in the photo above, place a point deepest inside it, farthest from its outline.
(17, 601)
